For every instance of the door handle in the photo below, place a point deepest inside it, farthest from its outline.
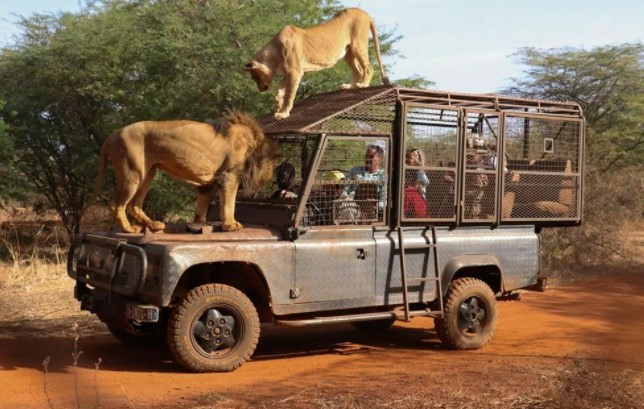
(362, 254)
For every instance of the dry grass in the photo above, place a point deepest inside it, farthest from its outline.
(577, 386)
(613, 218)
(38, 298)
(28, 274)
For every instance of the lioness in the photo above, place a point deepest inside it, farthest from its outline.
(294, 51)
(207, 156)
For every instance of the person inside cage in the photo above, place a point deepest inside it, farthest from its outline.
(415, 205)
(372, 173)
(285, 180)
(475, 184)
(414, 157)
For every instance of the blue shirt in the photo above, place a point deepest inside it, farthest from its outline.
(359, 173)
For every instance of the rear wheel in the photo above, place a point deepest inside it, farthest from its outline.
(214, 328)
(470, 314)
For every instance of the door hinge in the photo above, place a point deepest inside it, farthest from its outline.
(294, 293)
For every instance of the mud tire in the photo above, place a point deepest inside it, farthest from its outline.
(450, 328)
(188, 349)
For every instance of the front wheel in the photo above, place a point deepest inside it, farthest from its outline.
(470, 315)
(214, 328)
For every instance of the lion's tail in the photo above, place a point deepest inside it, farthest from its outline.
(376, 43)
(102, 163)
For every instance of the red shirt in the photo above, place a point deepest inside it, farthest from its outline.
(415, 204)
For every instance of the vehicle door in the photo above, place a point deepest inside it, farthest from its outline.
(344, 198)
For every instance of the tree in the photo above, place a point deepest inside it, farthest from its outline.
(70, 80)
(10, 186)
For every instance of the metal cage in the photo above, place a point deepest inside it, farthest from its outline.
(451, 158)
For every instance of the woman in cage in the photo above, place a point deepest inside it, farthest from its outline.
(414, 157)
(415, 205)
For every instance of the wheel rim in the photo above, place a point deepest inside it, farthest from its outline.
(216, 331)
(472, 316)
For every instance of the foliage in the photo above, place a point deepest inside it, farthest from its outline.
(71, 79)
(10, 186)
(415, 82)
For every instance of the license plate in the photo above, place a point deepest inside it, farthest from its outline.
(142, 313)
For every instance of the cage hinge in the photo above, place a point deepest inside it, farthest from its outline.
(294, 293)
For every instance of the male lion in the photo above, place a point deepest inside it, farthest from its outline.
(294, 51)
(207, 156)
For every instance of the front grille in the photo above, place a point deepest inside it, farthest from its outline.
(108, 263)
(128, 275)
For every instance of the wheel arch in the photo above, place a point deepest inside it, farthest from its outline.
(485, 267)
(246, 277)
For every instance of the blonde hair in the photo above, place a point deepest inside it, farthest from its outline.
(421, 157)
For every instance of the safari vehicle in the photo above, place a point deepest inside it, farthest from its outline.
(345, 248)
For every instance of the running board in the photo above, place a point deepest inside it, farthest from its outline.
(372, 316)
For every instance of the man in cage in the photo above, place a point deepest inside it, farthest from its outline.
(372, 173)
(475, 185)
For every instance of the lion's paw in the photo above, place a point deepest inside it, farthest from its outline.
(156, 225)
(234, 226)
(134, 228)
(281, 115)
(346, 86)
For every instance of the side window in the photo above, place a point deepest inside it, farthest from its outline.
(350, 185)
(294, 156)
(431, 148)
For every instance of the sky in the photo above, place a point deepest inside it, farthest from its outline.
(461, 45)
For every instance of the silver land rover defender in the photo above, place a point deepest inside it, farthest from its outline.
(389, 203)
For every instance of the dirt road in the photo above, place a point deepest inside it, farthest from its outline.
(592, 324)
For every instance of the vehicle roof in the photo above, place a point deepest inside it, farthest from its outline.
(372, 110)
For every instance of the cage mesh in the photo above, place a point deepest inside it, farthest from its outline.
(542, 156)
(366, 110)
(374, 116)
(295, 155)
(481, 162)
(542, 196)
(539, 144)
(537, 148)
(479, 198)
(431, 147)
(345, 189)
